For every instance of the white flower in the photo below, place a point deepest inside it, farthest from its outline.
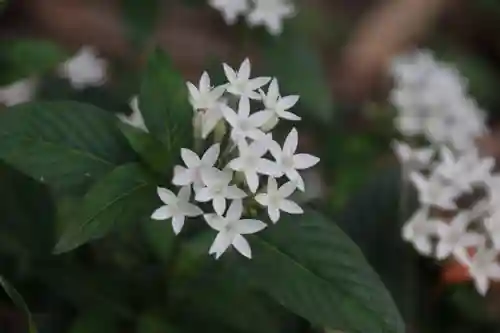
(135, 119)
(192, 174)
(419, 229)
(270, 13)
(231, 228)
(289, 162)
(483, 266)
(492, 225)
(230, 9)
(243, 124)
(240, 83)
(205, 97)
(251, 163)
(276, 106)
(453, 236)
(276, 199)
(412, 159)
(432, 191)
(176, 207)
(84, 69)
(218, 189)
(18, 92)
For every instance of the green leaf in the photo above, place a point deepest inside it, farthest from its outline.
(19, 302)
(21, 58)
(311, 267)
(153, 152)
(140, 19)
(95, 321)
(124, 195)
(164, 104)
(160, 238)
(64, 144)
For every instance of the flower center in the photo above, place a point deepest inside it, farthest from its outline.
(287, 162)
(244, 125)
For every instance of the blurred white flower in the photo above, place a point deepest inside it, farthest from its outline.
(192, 174)
(276, 106)
(230, 9)
(84, 69)
(240, 83)
(176, 207)
(270, 14)
(243, 124)
(289, 162)
(419, 229)
(432, 192)
(412, 159)
(231, 228)
(218, 188)
(135, 119)
(483, 266)
(18, 92)
(276, 199)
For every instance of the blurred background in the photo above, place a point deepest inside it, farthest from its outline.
(335, 54)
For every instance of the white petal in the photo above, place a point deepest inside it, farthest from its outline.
(203, 195)
(244, 107)
(290, 207)
(221, 243)
(262, 198)
(193, 91)
(241, 244)
(215, 222)
(287, 189)
(267, 167)
(177, 223)
(295, 177)
(291, 142)
(248, 226)
(288, 102)
(237, 164)
(182, 176)
(304, 161)
(190, 210)
(211, 155)
(245, 68)
(204, 82)
(229, 114)
(235, 210)
(190, 158)
(252, 180)
(162, 213)
(288, 115)
(273, 90)
(275, 149)
(219, 204)
(258, 82)
(230, 73)
(443, 250)
(233, 192)
(482, 284)
(260, 118)
(272, 185)
(184, 194)
(274, 213)
(166, 195)
(134, 104)
(423, 245)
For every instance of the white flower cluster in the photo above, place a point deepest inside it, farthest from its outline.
(231, 168)
(459, 195)
(267, 13)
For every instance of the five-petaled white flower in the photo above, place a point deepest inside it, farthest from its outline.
(276, 106)
(135, 119)
(453, 236)
(218, 189)
(483, 266)
(18, 92)
(276, 199)
(231, 228)
(270, 13)
(230, 9)
(432, 191)
(84, 69)
(205, 97)
(244, 125)
(176, 207)
(192, 174)
(419, 229)
(289, 162)
(240, 83)
(251, 163)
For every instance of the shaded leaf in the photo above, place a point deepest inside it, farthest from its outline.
(95, 321)
(160, 238)
(124, 195)
(153, 323)
(19, 302)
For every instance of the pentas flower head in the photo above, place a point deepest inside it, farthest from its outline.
(230, 170)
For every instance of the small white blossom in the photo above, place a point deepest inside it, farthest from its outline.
(271, 13)
(431, 191)
(231, 228)
(276, 106)
(412, 159)
(251, 163)
(483, 266)
(230, 9)
(217, 189)
(289, 162)
(192, 174)
(176, 207)
(243, 124)
(419, 229)
(205, 97)
(84, 69)
(240, 83)
(453, 236)
(135, 119)
(18, 92)
(276, 199)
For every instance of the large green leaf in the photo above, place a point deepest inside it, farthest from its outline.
(124, 195)
(20, 58)
(19, 302)
(311, 267)
(63, 144)
(164, 104)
